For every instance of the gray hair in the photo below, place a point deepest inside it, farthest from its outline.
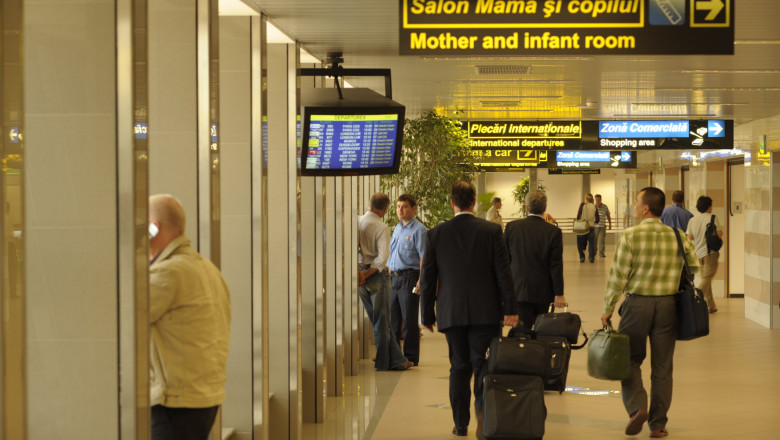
(536, 202)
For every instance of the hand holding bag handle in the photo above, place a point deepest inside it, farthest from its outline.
(545, 325)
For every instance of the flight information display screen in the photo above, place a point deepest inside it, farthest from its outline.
(351, 142)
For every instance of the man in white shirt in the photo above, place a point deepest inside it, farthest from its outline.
(708, 259)
(189, 314)
(493, 215)
(374, 282)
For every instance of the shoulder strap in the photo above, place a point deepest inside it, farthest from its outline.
(712, 219)
(686, 269)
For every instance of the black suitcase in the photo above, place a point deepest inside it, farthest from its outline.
(560, 351)
(514, 407)
(518, 355)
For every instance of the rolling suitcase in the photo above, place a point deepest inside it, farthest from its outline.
(514, 407)
(560, 353)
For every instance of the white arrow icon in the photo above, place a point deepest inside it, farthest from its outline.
(717, 130)
(714, 6)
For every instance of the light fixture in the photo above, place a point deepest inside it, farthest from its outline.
(666, 104)
(720, 89)
(694, 71)
(667, 117)
(308, 58)
(236, 8)
(275, 35)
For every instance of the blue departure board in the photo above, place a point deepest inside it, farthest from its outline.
(349, 142)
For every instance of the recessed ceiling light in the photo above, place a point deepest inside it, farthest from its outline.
(722, 89)
(275, 35)
(236, 8)
(654, 116)
(666, 104)
(732, 71)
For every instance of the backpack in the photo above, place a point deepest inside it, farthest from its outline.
(714, 242)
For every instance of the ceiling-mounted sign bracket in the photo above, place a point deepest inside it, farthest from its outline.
(336, 71)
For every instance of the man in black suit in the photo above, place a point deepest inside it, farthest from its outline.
(467, 258)
(536, 259)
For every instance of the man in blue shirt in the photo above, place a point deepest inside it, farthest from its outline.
(675, 215)
(406, 254)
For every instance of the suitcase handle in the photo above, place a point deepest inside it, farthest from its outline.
(551, 309)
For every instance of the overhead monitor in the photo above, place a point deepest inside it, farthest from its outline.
(360, 134)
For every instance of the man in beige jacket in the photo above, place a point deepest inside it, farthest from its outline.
(189, 307)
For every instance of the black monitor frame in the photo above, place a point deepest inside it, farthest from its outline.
(354, 103)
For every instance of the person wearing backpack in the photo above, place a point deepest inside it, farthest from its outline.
(707, 236)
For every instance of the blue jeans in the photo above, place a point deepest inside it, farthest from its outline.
(375, 295)
(587, 240)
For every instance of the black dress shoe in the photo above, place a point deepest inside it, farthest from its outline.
(460, 432)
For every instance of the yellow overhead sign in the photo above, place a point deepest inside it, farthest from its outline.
(491, 27)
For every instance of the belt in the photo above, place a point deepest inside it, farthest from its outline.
(649, 296)
(405, 271)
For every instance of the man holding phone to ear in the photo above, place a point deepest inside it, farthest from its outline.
(189, 306)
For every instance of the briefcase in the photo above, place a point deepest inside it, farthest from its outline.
(609, 355)
(563, 324)
(518, 355)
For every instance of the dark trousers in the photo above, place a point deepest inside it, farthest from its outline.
(587, 240)
(182, 423)
(404, 312)
(654, 318)
(468, 346)
(527, 312)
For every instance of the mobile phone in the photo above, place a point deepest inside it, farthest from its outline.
(153, 230)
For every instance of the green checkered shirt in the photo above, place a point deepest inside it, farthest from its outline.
(647, 262)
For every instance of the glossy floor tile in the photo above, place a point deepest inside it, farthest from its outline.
(726, 385)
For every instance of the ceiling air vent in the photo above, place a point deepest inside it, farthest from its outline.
(503, 70)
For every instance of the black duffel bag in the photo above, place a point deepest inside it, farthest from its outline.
(565, 324)
(693, 315)
(518, 355)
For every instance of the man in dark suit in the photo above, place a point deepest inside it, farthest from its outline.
(467, 258)
(536, 258)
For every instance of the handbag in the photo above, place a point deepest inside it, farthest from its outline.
(580, 227)
(563, 324)
(609, 355)
(693, 316)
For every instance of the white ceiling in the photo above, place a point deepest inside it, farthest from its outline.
(744, 86)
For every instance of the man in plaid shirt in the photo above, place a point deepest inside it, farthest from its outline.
(647, 268)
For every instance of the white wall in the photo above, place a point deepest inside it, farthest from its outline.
(503, 184)
(604, 184)
(564, 193)
(71, 223)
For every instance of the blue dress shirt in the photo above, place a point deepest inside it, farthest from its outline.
(676, 216)
(407, 246)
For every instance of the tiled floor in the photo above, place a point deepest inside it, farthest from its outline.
(727, 385)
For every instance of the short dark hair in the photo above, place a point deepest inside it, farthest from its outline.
(703, 204)
(678, 196)
(408, 198)
(655, 199)
(536, 202)
(598, 196)
(463, 194)
(496, 200)
(380, 201)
